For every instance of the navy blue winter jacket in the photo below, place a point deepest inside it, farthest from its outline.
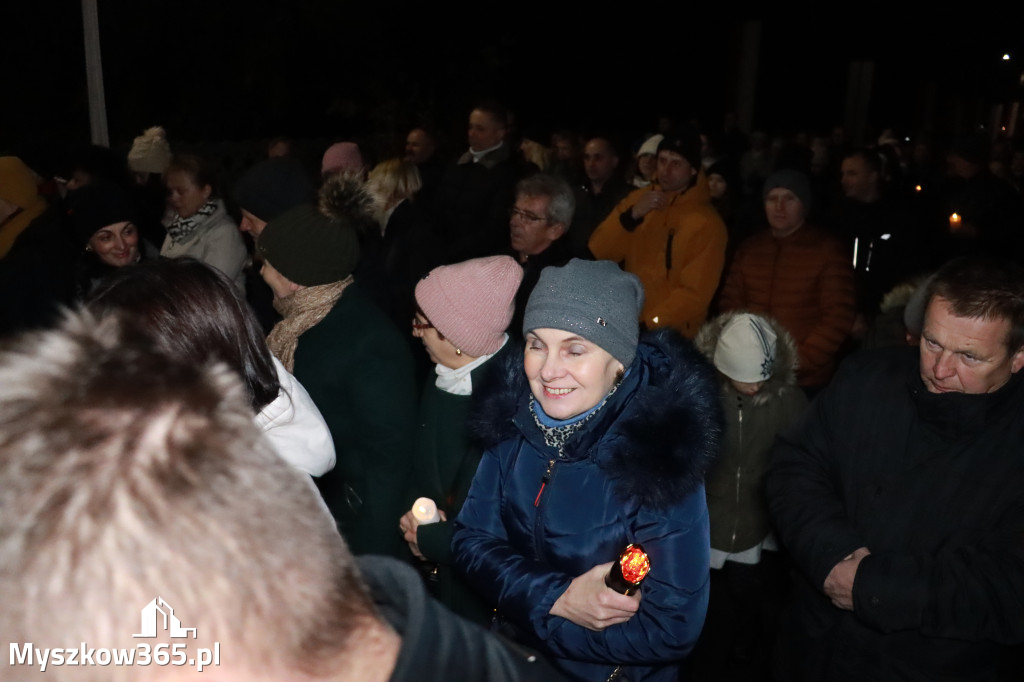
(633, 473)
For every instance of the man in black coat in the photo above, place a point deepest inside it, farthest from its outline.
(473, 198)
(603, 190)
(899, 498)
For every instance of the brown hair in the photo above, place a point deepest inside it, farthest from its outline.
(194, 313)
(199, 169)
(988, 288)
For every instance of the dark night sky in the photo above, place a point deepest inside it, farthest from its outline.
(219, 70)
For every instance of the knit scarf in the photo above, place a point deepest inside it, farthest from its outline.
(301, 311)
(557, 432)
(180, 228)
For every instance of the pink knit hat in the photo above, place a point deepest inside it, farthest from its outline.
(343, 156)
(471, 303)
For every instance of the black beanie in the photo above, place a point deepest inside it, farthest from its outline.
(271, 187)
(96, 206)
(685, 142)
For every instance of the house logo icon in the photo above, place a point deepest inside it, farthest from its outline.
(151, 620)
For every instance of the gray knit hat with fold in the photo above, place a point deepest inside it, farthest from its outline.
(593, 299)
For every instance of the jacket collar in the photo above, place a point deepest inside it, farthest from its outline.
(656, 436)
(963, 415)
(490, 159)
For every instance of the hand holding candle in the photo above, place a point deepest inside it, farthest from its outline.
(424, 511)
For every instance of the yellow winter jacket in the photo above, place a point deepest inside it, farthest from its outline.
(677, 252)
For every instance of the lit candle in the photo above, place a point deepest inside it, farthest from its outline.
(629, 571)
(954, 221)
(917, 188)
(425, 511)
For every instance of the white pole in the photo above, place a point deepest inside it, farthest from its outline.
(94, 74)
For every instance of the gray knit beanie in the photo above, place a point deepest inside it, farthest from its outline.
(594, 299)
(793, 180)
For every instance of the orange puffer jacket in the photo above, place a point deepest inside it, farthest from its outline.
(805, 281)
(677, 252)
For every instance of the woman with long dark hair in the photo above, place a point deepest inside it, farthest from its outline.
(192, 312)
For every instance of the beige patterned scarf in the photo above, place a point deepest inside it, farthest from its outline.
(301, 311)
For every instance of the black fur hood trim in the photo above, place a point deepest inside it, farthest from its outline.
(657, 435)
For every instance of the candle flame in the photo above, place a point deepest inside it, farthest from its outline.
(635, 564)
(425, 510)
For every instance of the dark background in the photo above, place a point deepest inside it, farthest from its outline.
(235, 71)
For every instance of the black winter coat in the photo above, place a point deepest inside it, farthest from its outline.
(931, 485)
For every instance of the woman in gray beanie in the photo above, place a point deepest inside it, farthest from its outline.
(597, 440)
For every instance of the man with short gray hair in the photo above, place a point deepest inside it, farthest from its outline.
(538, 222)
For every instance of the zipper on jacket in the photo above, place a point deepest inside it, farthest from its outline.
(739, 471)
(544, 482)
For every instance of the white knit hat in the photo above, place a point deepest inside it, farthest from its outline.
(150, 152)
(746, 349)
(650, 145)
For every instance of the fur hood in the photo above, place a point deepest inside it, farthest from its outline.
(656, 436)
(784, 375)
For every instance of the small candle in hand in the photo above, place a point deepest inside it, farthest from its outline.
(425, 511)
(629, 571)
(954, 221)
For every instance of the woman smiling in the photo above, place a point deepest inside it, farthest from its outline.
(596, 442)
(103, 221)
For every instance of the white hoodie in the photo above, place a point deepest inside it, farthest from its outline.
(296, 428)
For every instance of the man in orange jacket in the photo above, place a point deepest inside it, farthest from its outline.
(670, 236)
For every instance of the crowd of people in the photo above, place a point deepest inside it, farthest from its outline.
(778, 372)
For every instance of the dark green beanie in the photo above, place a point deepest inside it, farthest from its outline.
(308, 248)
